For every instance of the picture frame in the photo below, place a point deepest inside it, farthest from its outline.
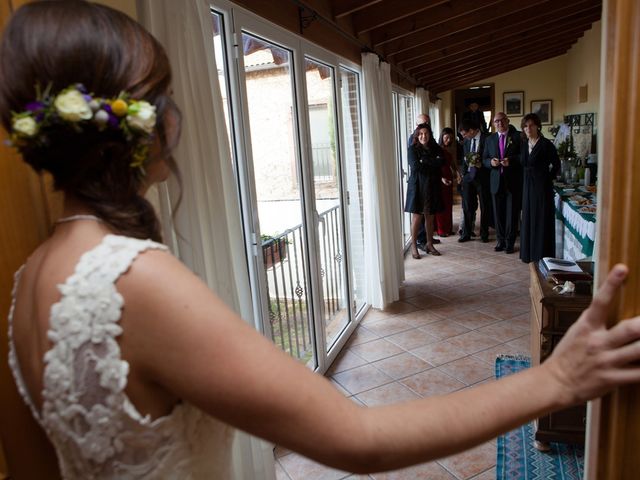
(542, 108)
(513, 103)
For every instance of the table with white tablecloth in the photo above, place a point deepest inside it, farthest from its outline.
(575, 229)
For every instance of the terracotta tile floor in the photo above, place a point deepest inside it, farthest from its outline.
(456, 313)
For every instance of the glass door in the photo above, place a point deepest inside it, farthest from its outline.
(403, 110)
(282, 243)
(352, 162)
(297, 221)
(320, 83)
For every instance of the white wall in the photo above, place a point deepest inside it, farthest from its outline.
(583, 68)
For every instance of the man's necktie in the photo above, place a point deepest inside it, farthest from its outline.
(502, 138)
(473, 145)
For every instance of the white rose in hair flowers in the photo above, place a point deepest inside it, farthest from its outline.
(24, 126)
(142, 116)
(72, 106)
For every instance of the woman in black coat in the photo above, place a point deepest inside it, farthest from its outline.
(424, 185)
(540, 162)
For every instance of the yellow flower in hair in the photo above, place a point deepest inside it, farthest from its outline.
(119, 107)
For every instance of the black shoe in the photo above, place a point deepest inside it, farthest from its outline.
(485, 239)
(509, 250)
(435, 240)
(464, 239)
(423, 247)
(499, 247)
(473, 235)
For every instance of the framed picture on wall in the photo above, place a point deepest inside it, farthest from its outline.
(513, 103)
(542, 108)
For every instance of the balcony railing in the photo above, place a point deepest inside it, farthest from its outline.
(323, 162)
(284, 260)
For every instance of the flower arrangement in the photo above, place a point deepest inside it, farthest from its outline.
(566, 148)
(473, 159)
(77, 109)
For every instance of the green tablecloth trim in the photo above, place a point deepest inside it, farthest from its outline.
(584, 240)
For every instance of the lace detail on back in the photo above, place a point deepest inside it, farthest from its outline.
(96, 430)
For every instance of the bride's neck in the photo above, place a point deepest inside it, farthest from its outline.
(73, 206)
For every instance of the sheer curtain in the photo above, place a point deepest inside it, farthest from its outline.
(424, 105)
(422, 101)
(383, 249)
(210, 239)
(436, 118)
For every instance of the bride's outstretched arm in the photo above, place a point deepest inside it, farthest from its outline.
(182, 337)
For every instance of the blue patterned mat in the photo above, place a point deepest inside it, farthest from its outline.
(518, 459)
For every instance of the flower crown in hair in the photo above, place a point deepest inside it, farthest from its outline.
(74, 107)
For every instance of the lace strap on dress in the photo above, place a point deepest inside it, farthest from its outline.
(85, 376)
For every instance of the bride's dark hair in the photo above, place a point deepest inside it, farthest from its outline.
(65, 42)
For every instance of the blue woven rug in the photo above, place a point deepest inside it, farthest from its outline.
(518, 459)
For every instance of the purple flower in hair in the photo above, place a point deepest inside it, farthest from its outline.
(114, 122)
(34, 106)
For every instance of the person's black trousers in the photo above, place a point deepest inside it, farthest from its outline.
(506, 215)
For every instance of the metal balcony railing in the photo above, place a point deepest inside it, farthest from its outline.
(284, 260)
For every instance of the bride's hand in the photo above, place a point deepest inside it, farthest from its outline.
(592, 359)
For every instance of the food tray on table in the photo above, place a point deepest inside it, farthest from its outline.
(588, 209)
(589, 188)
(579, 200)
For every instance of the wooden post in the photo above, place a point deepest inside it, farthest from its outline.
(615, 420)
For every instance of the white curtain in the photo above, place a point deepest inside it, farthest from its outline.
(436, 118)
(422, 102)
(209, 239)
(384, 267)
(424, 105)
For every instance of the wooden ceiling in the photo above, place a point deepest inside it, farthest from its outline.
(443, 45)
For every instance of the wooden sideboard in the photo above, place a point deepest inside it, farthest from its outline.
(551, 316)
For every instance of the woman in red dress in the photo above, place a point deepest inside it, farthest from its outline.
(449, 172)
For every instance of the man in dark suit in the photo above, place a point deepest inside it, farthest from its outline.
(475, 182)
(474, 114)
(502, 157)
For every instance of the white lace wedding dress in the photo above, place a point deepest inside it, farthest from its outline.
(96, 430)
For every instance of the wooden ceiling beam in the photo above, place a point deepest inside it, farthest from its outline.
(487, 64)
(554, 12)
(452, 82)
(452, 18)
(458, 30)
(504, 37)
(504, 50)
(388, 12)
(503, 66)
(343, 8)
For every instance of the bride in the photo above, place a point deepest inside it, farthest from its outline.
(130, 366)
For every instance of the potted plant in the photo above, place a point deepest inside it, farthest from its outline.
(274, 249)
